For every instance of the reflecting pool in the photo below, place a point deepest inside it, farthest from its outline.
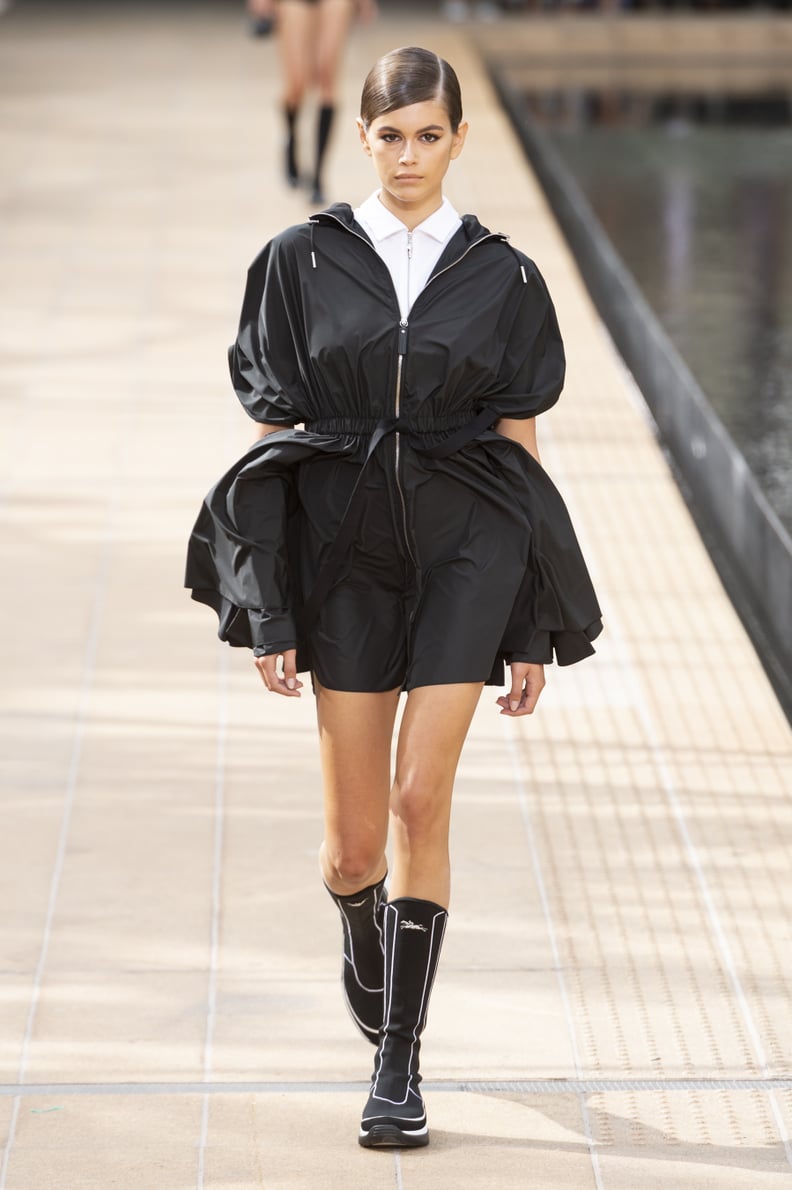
(694, 189)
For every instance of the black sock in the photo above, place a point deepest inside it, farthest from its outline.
(323, 127)
(292, 173)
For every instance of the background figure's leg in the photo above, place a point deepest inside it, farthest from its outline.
(324, 124)
(261, 17)
(334, 20)
(292, 168)
(296, 33)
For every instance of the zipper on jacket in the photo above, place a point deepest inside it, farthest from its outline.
(402, 346)
(402, 351)
(408, 304)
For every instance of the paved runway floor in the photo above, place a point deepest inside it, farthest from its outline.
(613, 1005)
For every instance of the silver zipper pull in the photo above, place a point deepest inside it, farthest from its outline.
(403, 337)
(409, 245)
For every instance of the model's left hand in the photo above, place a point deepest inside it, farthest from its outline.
(527, 683)
(286, 683)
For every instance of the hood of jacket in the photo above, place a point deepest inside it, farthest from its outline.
(471, 231)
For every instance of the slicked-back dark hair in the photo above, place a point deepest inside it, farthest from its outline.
(410, 75)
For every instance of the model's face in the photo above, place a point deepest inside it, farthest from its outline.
(412, 149)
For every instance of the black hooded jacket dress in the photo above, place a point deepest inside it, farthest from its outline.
(396, 539)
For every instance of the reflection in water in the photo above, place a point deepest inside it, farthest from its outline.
(695, 192)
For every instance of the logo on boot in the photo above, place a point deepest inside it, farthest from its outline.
(413, 925)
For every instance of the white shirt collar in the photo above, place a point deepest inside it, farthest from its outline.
(382, 223)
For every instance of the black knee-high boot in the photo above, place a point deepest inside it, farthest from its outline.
(362, 975)
(323, 127)
(292, 173)
(394, 1113)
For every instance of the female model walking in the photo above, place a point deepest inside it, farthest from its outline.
(311, 39)
(407, 538)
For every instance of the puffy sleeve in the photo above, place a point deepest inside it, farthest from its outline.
(556, 613)
(240, 553)
(240, 558)
(264, 359)
(531, 373)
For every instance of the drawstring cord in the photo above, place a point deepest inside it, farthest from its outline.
(516, 256)
(347, 530)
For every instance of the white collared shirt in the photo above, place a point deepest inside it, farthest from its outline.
(410, 256)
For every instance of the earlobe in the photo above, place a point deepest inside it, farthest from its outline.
(363, 136)
(459, 140)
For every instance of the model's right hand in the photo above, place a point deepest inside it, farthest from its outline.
(284, 682)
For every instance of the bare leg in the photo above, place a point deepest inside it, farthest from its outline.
(264, 9)
(296, 34)
(436, 721)
(355, 733)
(333, 26)
(433, 730)
(296, 29)
(332, 29)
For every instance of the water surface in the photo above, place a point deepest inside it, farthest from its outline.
(695, 192)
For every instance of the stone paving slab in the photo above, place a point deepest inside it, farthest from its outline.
(621, 861)
(112, 1141)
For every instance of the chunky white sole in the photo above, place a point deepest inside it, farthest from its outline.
(388, 1134)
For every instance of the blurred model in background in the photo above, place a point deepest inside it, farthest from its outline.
(261, 17)
(311, 39)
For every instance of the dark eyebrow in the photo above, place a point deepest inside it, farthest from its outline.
(429, 128)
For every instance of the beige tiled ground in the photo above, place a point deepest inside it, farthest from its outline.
(145, 1142)
(620, 914)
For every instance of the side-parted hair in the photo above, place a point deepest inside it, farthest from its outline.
(410, 75)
